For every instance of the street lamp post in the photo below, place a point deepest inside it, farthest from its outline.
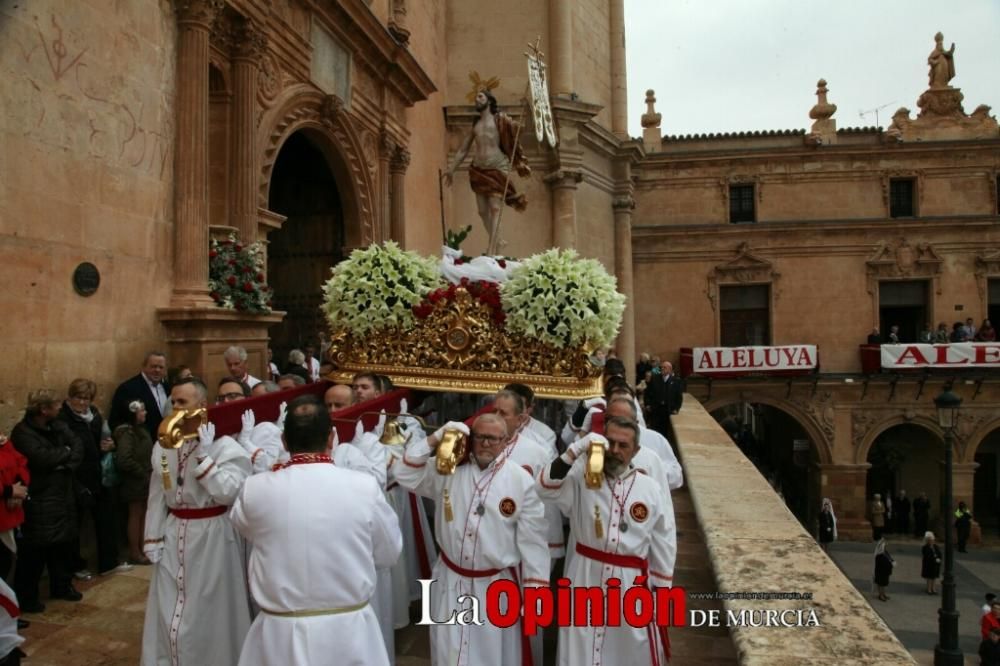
(946, 652)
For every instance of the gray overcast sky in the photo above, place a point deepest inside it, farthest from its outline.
(733, 65)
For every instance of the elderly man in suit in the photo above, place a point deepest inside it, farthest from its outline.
(150, 388)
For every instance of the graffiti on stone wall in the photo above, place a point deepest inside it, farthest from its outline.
(74, 101)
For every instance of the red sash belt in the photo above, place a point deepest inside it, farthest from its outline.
(468, 573)
(195, 514)
(526, 658)
(631, 562)
(627, 561)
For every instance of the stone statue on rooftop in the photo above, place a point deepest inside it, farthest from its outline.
(942, 63)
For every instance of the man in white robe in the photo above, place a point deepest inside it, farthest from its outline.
(635, 536)
(541, 432)
(490, 526)
(319, 531)
(649, 440)
(197, 611)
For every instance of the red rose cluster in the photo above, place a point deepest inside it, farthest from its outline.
(485, 292)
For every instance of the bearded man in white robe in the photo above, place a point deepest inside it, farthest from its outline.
(622, 530)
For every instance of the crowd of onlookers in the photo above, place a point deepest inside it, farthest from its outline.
(959, 332)
(89, 474)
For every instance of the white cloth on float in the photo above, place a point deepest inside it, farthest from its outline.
(634, 499)
(507, 534)
(475, 269)
(197, 611)
(320, 531)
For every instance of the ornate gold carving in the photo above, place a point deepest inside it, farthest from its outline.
(458, 348)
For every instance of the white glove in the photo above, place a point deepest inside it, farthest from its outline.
(359, 432)
(404, 407)
(451, 425)
(246, 430)
(153, 551)
(206, 437)
(580, 446)
(380, 426)
(588, 419)
(282, 409)
(594, 402)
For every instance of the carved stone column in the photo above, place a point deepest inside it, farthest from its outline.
(194, 19)
(623, 207)
(561, 38)
(845, 486)
(386, 151)
(619, 85)
(248, 48)
(397, 169)
(564, 184)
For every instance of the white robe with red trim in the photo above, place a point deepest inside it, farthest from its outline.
(320, 532)
(198, 608)
(510, 532)
(651, 534)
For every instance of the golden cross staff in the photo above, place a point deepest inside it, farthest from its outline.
(491, 249)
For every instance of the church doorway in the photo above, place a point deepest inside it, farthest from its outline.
(309, 243)
(906, 457)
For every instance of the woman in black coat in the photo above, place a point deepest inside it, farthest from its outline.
(88, 425)
(930, 566)
(883, 569)
(50, 520)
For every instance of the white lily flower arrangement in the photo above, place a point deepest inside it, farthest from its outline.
(377, 287)
(563, 300)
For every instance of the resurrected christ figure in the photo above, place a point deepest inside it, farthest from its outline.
(494, 137)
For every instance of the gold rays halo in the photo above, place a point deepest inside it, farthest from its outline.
(478, 83)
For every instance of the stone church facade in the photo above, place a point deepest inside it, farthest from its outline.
(135, 131)
(815, 238)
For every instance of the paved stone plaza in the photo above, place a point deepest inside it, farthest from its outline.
(910, 612)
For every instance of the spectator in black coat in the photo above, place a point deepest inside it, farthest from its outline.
(930, 562)
(148, 387)
(664, 396)
(50, 525)
(86, 422)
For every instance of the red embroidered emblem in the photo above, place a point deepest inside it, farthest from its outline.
(508, 506)
(639, 512)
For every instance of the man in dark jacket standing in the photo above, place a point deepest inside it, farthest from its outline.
(663, 397)
(50, 523)
(149, 387)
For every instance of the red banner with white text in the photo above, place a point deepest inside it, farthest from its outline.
(953, 355)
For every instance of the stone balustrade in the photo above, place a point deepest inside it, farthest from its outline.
(755, 544)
